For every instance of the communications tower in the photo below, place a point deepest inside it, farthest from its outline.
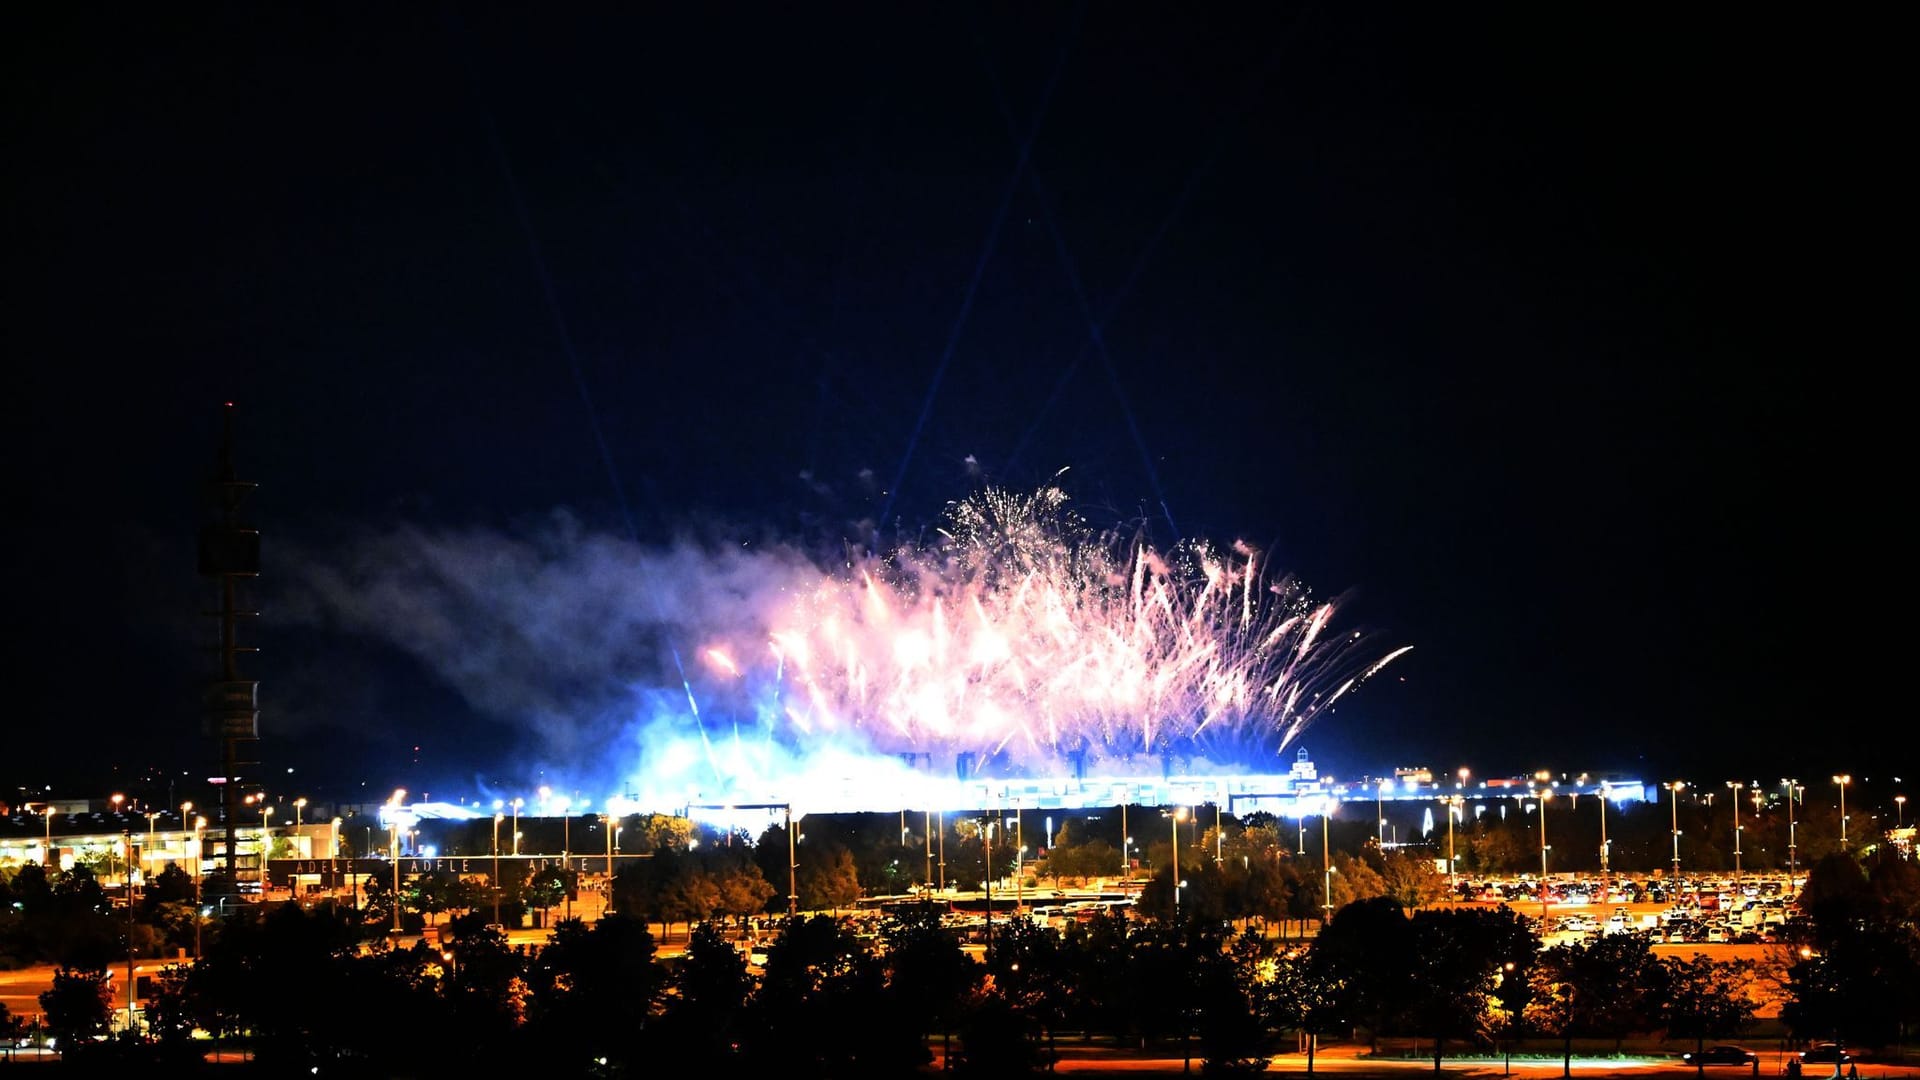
(230, 554)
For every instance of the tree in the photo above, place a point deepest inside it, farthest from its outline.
(818, 975)
(1370, 942)
(547, 888)
(703, 1016)
(77, 1006)
(828, 878)
(1354, 881)
(1083, 861)
(1027, 968)
(1307, 992)
(1702, 998)
(1411, 880)
(593, 992)
(11, 1026)
(1603, 987)
(927, 974)
(1459, 958)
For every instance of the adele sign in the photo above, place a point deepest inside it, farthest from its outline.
(281, 872)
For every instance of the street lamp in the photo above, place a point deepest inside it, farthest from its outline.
(47, 852)
(1673, 804)
(1126, 841)
(1453, 808)
(199, 845)
(1736, 787)
(1179, 815)
(127, 838)
(1380, 812)
(147, 855)
(1843, 780)
(1792, 787)
(516, 826)
(793, 865)
(1899, 811)
(1545, 794)
(1605, 848)
(1326, 861)
(497, 818)
(393, 827)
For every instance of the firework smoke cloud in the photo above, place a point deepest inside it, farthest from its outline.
(1018, 642)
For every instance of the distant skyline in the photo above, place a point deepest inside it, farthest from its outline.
(1531, 338)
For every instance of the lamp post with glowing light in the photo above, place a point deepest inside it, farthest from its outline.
(516, 827)
(393, 827)
(793, 866)
(497, 818)
(1793, 787)
(1899, 811)
(199, 845)
(47, 852)
(1673, 804)
(1125, 840)
(147, 855)
(1605, 847)
(1736, 787)
(1380, 812)
(1326, 861)
(127, 838)
(1545, 794)
(1454, 803)
(1842, 781)
(1179, 815)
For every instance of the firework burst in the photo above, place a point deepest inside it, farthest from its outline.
(1024, 638)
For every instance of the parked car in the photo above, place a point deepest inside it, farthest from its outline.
(1825, 1054)
(1721, 1055)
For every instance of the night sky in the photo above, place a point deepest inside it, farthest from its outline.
(1564, 344)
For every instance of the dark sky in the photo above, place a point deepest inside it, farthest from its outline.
(1566, 341)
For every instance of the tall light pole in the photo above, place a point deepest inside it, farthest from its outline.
(1453, 807)
(516, 827)
(1792, 830)
(793, 866)
(47, 851)
(1673, 805)
(199, 845)
(1179, 814)
(1019, 860)
(1126, 841)
(147, 855)
(393, 827)
(940, 819)
(1736, 787)
(498, 817)
(1545, 794)
(1380, 812)
(927, 827)
(1605, 848)
(1899, 811)
(1219, 837)
(986, 841)
(1843, 780)
(185, 809)
(1326, 861)
(127, 838)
